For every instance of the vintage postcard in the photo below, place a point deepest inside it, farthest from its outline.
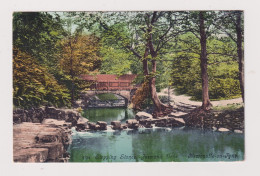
(128, 86)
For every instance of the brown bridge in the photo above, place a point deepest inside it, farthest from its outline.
(110, 82)
(104, 83)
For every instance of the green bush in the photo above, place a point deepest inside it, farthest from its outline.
(33, 85)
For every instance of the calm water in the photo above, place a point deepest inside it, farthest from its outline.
(157, 144)
(108, 114)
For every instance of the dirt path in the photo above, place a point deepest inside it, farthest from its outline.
(183, 103)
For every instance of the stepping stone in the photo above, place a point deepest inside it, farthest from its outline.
(238, 131)
(223, 129)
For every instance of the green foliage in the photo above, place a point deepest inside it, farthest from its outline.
(222, 68)
(229, 107)
(37, 33)
(79, 55)
(115, 61)
(49, 57)
(116, 58)
(33, 85)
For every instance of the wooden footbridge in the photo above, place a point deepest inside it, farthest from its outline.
(104, 83)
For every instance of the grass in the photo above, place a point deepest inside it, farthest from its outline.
(228, 107)
(107, 96)
(214, 99)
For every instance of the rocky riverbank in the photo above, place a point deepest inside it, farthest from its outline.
(222, 121)
(43, 134)
(228, 120)
(41, 142)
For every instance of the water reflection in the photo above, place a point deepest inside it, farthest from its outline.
(108, 114)
(156, 145)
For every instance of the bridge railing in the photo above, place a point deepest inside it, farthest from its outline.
(112, 85)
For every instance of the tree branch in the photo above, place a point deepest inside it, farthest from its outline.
(134, 52)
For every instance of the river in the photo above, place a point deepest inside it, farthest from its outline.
(156, 144)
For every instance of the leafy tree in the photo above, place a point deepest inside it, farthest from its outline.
(79, 56)
(37, 33)
(201, 25)
(33, 85)
(232, 24)
(145, 35)
(222, 67)
(203, 63)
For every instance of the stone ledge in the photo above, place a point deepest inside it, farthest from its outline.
(35, 142)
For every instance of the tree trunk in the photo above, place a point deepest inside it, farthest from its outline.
(145, 63)
(159, 106)
(206, 105)
(240, 52)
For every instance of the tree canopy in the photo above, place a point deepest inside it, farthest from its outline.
(181, 49)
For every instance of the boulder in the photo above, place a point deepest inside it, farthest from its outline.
(143, 115)
(92, 125)
(38, 142)
(162, 122)
(147, 123)
(83, 121)
(58, 123)
(214, 128)
(97, 127)
(116, 125)
(124, 126)
(102, 125)
(71, 117)
(52, 112)
(132, 123)
(223, 129)
(18, 117)
(81, 127)
(238, 131)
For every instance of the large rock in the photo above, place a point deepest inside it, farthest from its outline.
(147, 123)
(143, 115)
(53, 112)
(71, 116)
(36, 142)
(18, 117)
(223, 130)
(58, 123)
(124, 126)
(238, 131)
(102, 125)
(82, 124)
(116, 125)
(92, 126)
(83, 121)
(37, 115)
(132, 123)
(162, 122)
